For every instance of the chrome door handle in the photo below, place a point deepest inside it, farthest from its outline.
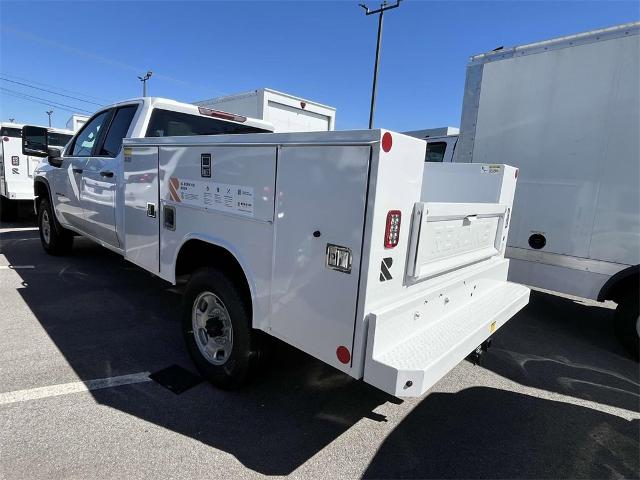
(106, 174)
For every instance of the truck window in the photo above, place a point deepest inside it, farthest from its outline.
(11, 132)
(435, 151)
(87, 137)
(165, 123)
(118, 130)
(58, 139)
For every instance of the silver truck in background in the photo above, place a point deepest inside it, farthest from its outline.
(566, 112)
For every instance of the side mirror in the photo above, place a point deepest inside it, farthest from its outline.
(55, 156)
(34, 141)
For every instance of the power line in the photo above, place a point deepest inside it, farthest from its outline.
(50, 91)
(36, 101)
(44, 101)
(34, 82)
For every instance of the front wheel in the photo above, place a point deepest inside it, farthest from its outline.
(55, 239)
(216, 325)
(627, 324)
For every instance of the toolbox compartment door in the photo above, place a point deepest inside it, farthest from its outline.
(321, 194)
(141, 207)
(449, 236)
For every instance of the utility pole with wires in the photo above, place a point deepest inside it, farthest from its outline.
(383, 7)
(12, 120)
(144, 82)
(49, 112)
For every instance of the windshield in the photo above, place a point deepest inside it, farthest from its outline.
(58, 139)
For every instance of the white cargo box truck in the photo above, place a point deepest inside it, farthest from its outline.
(329, 241)
(287, 113)
(76, 121)
(566, 112)
(16, 169)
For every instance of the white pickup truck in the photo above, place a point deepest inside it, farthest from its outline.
(329, 241)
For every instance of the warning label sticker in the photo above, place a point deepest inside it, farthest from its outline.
(490, 168)
(212, 195)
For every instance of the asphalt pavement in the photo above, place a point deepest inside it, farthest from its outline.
(555, 397)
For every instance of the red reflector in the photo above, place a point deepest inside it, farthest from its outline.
(343, 354)
(209, 112)
(6, 139)
(392, 229)
(387, 141)
(517, 170)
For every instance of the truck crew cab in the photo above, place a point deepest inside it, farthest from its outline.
(329, 241)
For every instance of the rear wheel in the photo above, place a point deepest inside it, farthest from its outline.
(55, 239)
(216, 325)
(627, 323)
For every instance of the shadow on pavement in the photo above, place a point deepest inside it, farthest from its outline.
(489, 433)
(569, 347)
(110, 318)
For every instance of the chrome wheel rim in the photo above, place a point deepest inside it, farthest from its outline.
(46, 227)
(212, 328)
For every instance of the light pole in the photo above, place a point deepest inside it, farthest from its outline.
(144, 82)
(384, 6)
(49, 112)
(12, 120)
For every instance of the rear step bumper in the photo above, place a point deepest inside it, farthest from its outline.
(407, 354)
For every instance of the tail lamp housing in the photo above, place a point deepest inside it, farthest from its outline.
(392, 228)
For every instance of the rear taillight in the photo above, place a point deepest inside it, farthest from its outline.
(392, 230)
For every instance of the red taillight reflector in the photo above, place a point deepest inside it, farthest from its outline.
(517, 170)
(392, 229)
(209, 112)
(343, 354)
(387, 141)
(6, 139)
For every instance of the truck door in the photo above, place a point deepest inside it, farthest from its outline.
(320, 209)
(100, 178)
(68, 189)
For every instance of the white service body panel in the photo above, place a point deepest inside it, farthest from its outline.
(306, 215)
(287, 113)
(566, 112)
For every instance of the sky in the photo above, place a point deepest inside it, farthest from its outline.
(85, 54)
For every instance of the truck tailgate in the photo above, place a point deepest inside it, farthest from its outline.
(448, 236)
(410, 349)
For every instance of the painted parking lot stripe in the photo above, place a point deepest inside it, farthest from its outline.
(73, 387)
(15, 267)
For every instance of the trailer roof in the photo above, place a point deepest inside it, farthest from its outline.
(622, 30)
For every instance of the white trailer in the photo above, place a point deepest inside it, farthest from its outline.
(329, 241)
(287, 113)
(16, 169)
(76, 121)
(566, 112)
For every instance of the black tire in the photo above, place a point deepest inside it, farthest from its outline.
(8, 210)
(626, 324)
(60, 240)
(241, 363)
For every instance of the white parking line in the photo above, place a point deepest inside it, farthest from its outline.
(15, 267)
(73, 387)
(17, 229)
